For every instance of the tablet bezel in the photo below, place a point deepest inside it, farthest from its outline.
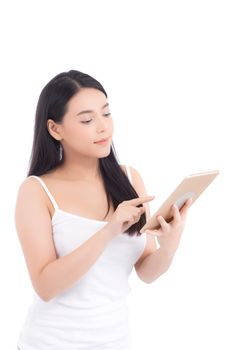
(191, 186)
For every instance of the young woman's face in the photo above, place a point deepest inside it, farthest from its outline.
(87, 120)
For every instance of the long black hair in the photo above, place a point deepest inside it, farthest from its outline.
(46, 150)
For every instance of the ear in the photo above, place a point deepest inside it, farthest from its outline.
(54, 129)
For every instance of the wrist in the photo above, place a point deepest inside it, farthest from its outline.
(111, 229)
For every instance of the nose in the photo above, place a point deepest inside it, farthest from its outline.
(101, 124)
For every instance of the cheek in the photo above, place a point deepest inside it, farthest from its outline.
(78, 134)
(110, 127)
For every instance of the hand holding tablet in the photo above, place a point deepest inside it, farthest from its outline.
(191, 187)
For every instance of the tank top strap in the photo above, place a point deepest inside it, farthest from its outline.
(128, 173)
(46, 190)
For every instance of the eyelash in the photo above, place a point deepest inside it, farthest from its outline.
(87, 121)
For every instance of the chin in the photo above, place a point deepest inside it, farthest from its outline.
(105, 153)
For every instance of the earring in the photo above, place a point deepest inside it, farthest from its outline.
(60, 151)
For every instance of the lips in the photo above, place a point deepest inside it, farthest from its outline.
(101, 140)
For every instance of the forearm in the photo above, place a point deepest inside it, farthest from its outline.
(155, 265)
(63, 272)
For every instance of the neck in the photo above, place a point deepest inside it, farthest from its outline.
(82, 169)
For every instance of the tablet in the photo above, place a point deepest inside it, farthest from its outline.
(191, 186)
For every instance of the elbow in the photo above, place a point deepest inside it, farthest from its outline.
(46, 299)
(46, 295)
(42, 293)
(143, 279)
(148, 281)
(43, 296)
(43, 288)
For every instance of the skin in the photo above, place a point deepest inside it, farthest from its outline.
(50, 275)
(80, 152)
(169, 234)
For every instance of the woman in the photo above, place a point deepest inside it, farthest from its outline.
(78, 217)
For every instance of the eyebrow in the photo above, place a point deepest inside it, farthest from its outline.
(89, 111)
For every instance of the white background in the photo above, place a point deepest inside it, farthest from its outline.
(167, 69)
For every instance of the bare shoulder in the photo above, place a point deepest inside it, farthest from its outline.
(29, 184)
(27, 191)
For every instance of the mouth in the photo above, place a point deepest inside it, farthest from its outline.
(103, 141)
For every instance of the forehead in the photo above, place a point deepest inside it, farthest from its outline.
(87, 98)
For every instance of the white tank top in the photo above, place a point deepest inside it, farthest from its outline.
(93, 313)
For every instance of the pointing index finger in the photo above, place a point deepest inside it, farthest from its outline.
(141, 199)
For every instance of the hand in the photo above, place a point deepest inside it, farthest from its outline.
(169, 234)
(127, 214)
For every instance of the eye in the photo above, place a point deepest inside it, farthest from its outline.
(88, 121)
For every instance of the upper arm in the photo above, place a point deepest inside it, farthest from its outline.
(140, 188)
(33, 226)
